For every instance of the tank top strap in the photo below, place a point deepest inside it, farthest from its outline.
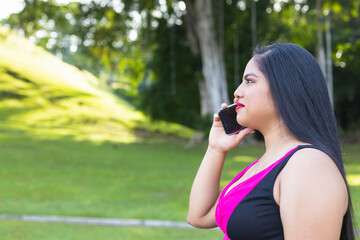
(275, 172)
(308, 146)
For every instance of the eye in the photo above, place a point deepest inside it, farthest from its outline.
(249, 81)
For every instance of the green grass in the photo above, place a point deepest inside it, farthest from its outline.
(41, 231)
(68, 177)
(69, 147)
(351, 156)
(149, 180)
(44, 96)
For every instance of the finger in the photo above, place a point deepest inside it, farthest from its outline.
(247, 131)
(223, 105)
(243, 133)
(216, 117)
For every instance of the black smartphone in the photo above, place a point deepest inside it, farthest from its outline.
(228, 120)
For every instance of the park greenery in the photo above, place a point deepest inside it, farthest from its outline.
(99, 100)
(151, 52)
(43, 95)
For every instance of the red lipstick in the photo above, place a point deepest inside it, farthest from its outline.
(239, 105)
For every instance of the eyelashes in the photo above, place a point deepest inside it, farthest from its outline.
(249, 81)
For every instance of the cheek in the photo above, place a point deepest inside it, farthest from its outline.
(259, 109)
(265, 107)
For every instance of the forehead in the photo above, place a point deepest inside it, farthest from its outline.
(253, 70)
(252, 67)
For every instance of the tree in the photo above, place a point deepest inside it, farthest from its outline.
(202, 37)
(159, 64)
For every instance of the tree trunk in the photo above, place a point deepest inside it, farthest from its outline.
(320, 52)
(172, 61)
(329, 74)
(325, 62)
(253, 24)
(221, 27)
(236, 57)
(200, 25)
(206, 106)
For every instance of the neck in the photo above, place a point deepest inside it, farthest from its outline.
(278, 132)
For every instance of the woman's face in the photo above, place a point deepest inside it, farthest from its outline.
(259, 110)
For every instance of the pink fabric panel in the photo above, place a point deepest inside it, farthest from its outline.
(227, 203)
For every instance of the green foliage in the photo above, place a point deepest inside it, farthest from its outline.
(129, 73)
(142, 71)
(347, 86)
(300, 26)
(161, 98)
(345, 52)
(42, 95)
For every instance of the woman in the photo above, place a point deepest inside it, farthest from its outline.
(297, 189)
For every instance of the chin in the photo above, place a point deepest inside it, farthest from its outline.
(245, 123)
(242, 122)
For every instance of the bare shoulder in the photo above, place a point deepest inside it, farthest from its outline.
(312, 174)
(313, 163)
(313, 196)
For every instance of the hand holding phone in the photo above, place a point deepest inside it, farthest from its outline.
(228, 120)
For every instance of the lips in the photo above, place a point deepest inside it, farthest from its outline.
(239, 105)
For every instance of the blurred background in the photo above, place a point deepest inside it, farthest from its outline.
(105, 106)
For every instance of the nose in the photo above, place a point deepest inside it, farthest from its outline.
(238, 93)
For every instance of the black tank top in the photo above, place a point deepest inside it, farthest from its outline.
(257, 216)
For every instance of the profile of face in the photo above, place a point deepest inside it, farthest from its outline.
(259, 111)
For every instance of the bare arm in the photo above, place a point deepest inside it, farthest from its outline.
(313, 197)
(205, 190)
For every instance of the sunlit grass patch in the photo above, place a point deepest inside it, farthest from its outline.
(244, 158)
(44, 96)
(353, 180)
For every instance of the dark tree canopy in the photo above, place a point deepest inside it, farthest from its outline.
(143, 51)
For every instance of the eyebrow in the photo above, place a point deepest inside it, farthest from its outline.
(250, 74)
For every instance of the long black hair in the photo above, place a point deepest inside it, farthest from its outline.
(299, 90)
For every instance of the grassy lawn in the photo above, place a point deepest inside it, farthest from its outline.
(71, 178)
(74, 178)
(69, 147)
(30, 231)
(149, 180)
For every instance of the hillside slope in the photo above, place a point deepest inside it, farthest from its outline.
(41, 95)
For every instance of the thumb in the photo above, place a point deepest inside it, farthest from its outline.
(243, 133)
